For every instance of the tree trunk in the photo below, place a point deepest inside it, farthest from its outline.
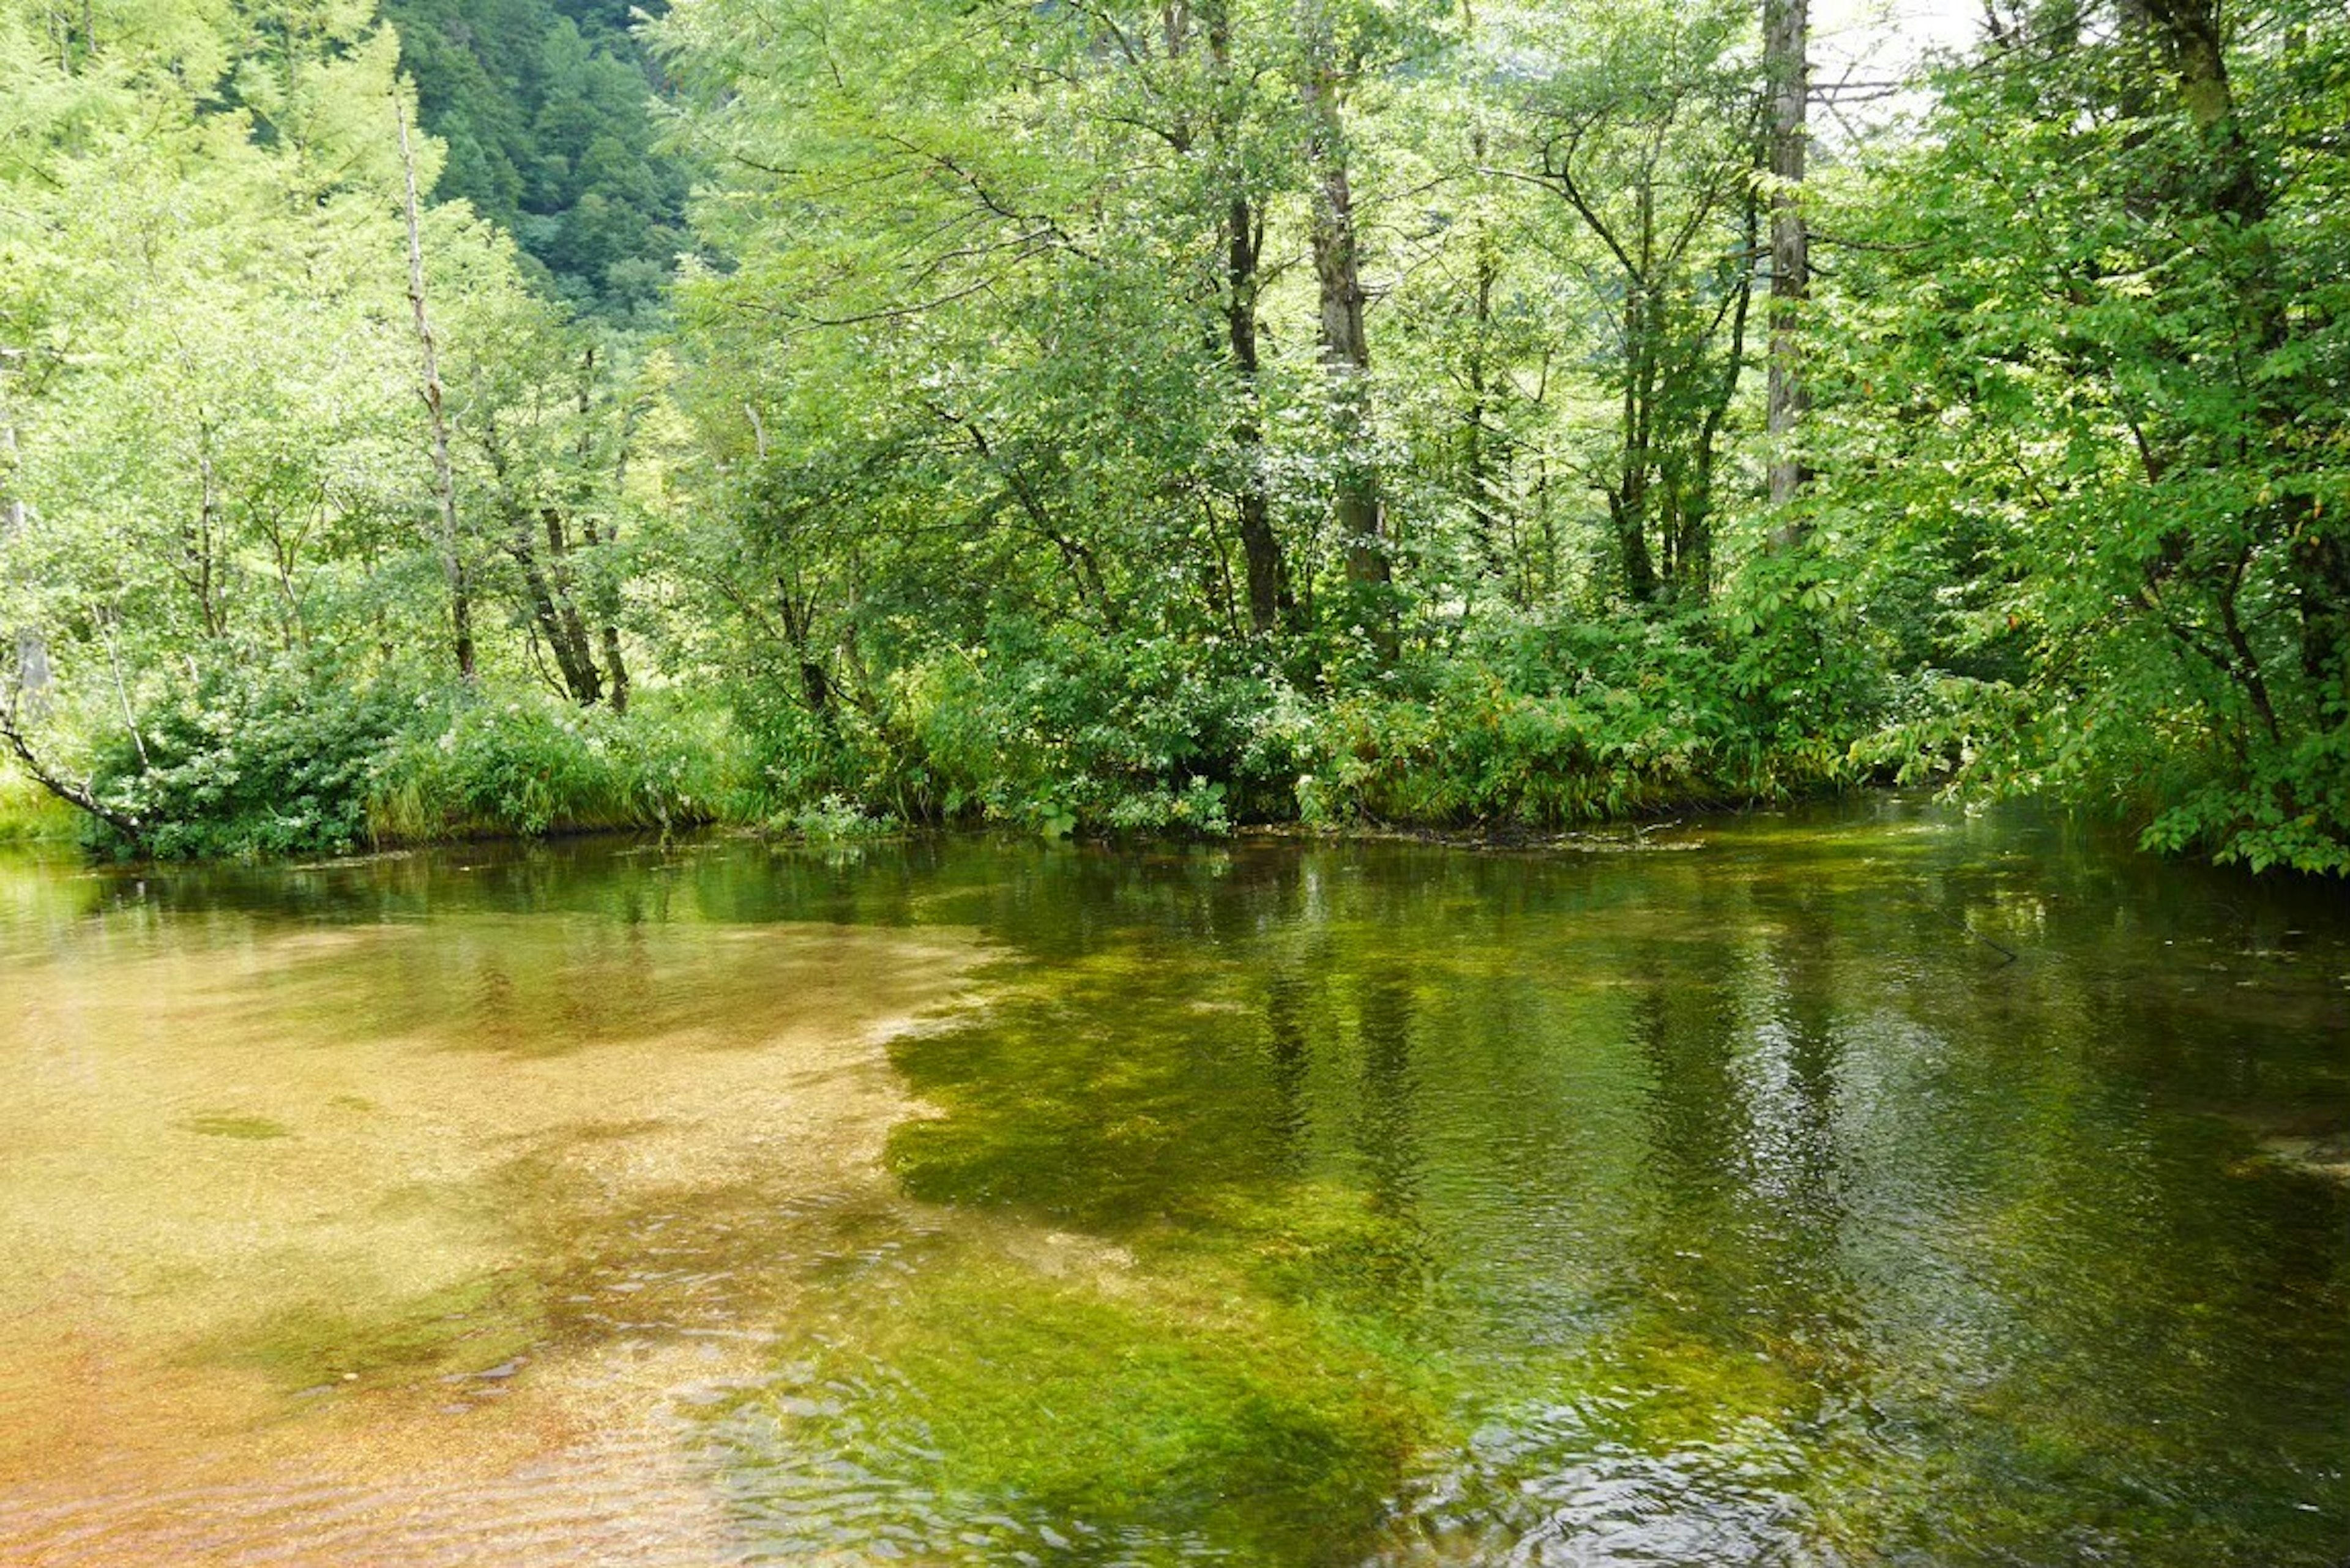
(73, 795)
(31, 674)
(2190, 33)
(444, 489)
(605, 594)
(1244, 223)
(1347, 352)
(1345, 346)
(201, 563)
(1476, 475)
(1627, 503)
(1693, 546)
(616, 665)
(551, 603)
(1787, 69)
(816, 681)
(1268, 578)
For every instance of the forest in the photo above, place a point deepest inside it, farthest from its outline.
(520, 416)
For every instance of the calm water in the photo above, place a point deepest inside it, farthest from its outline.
(1872, 1185)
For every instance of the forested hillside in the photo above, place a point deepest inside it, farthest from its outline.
(545, 107)
(1094, 417)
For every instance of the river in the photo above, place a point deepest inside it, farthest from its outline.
(1872, 1184)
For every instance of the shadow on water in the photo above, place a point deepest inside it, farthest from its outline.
(1869, 1184)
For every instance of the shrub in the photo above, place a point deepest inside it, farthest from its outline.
(270, 762)
(534, 764)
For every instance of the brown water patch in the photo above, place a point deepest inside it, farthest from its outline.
(297, 1271)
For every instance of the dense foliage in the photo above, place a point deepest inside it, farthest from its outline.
(550, 129)
(1095, 417)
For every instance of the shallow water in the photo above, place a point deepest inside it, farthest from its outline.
(1877, 1185)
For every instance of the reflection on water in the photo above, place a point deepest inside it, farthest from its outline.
(1875, 1186)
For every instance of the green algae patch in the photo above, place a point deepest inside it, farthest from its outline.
(1124, 1414)
(236, 1125)
(1207, 1421)
(1323, 1242)
(476, 1324)
(1103, 1098)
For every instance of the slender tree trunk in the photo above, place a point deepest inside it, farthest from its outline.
(1244, 223)
(14, 741)
(566, 601)
(605, 592)
(1476, 475)
(31, 674)
(1268, 577)
(201, 567)
(798, 615)
(616, 665)
(1347, 351)
(1345, 346)
(1786, 67)
(558, 619)
(554, 620)
(1693, 553)
(1627, 503)
(444, 489)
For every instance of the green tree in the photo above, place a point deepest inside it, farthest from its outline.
(2101, 296)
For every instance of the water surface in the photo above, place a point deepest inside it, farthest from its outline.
(1877, 1185)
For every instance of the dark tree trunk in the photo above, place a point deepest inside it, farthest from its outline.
(616, 665)
(567, 597)
(1693, 545)
(1268, 584)
(1476, 467)
(816, 681)
(605, 594)
(1347, 351)
(14, 740)
(1243, 223)
(2190, 34)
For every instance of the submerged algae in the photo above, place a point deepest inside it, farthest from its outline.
(1100, 1413)
(1722, 1210)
